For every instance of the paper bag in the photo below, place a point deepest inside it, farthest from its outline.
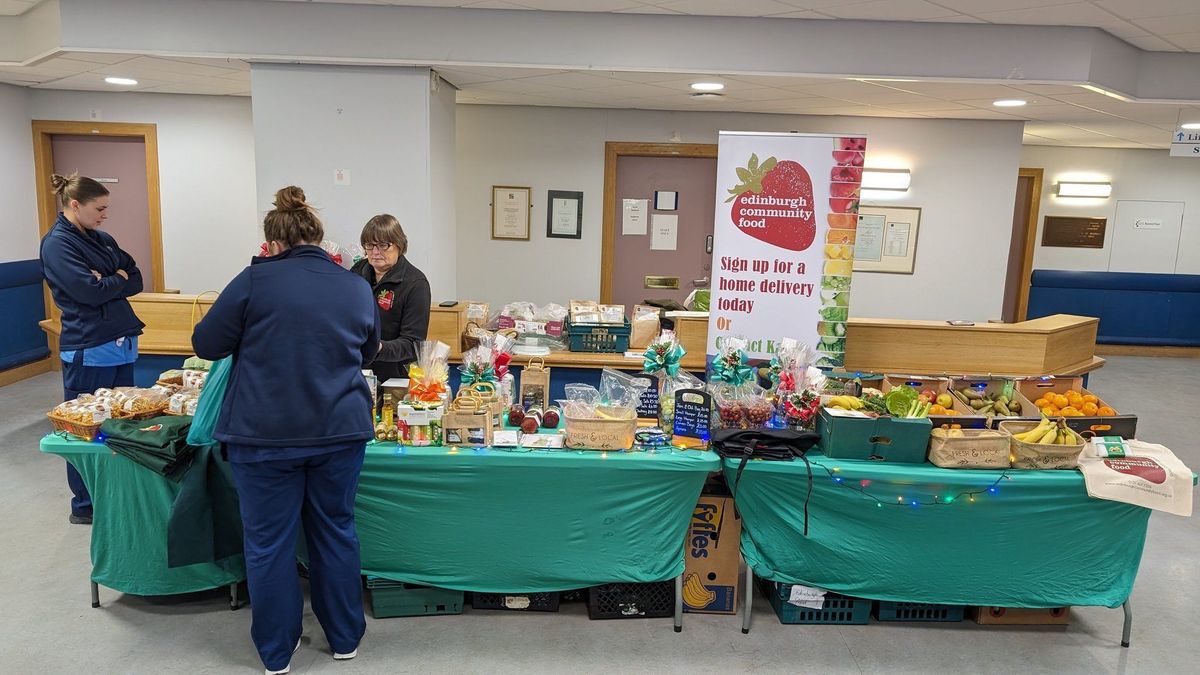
(535, 385)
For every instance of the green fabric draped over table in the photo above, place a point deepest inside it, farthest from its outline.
(1038, 541)
(502, 521)
(131, 505)
(482, 520)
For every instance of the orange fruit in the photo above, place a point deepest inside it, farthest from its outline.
(936, 409)
(1091, 398)
(1106, 411)
(1041, 403)
(1090, 409)
(1069, 411)
(1049, 411)
(1060, 401)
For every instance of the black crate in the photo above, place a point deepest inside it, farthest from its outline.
(520, 602)
(632, 601)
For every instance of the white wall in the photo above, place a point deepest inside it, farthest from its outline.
(1150, 175)
(373, 122)
(963, 176)
(441, 268)
(206, 175)
(18, 217)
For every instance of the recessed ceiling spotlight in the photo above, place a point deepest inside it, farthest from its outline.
(123, 81)
(707, 86)
(1009, 103)
(1190, 125)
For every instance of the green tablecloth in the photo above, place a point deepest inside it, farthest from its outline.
(1039, 541)
(129, 527)
(487, 520)
(502, 521)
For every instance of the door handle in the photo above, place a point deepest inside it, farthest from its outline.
(708, 244)
(700, 283)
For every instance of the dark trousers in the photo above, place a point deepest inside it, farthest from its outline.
(80, 379)
(275, 496)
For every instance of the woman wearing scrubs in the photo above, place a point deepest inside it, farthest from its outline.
(294, 422)
(90, 278)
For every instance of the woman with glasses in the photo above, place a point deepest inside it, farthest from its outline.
(401, 293)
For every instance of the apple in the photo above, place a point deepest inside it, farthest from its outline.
(945, 400)
(929, 394)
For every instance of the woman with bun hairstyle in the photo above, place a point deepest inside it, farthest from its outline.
(294, 424)
(90, 278)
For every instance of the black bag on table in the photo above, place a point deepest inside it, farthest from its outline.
(782, 445)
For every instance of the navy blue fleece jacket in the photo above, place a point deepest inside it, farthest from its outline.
(300, 329)
(94, 311)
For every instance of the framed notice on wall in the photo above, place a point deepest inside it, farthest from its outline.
(564, 214)
(510, 212)
(886, 239)
(1072, 232)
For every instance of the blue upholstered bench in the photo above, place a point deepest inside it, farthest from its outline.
(22, 307)
(1134, 309)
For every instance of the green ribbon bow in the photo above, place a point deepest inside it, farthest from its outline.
(661, 357)
(731, 368)
(475, 373)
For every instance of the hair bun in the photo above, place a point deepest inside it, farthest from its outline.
(60, 183)
(290, 198)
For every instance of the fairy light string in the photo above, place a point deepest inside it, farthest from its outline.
(860, 487)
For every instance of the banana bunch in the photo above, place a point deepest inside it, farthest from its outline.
(695, 595)
(845, 403)
(1048, 432)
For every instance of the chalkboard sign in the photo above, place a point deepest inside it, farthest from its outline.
(647, 407)
(693, 413)
(1073, 232)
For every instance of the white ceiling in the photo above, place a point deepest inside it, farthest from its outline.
(1155, 25)
(1056, 115)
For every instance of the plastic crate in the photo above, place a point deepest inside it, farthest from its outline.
(632, 601)
(918, 611)
(394, 598)
(838, 609)
(520, 602)
(597, 338)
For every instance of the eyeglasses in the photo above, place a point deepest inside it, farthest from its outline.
(382, 248)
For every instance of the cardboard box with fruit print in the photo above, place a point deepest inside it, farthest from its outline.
(1086, 413)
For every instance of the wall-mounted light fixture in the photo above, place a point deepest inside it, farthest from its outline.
(1097, 190)
(896, 180)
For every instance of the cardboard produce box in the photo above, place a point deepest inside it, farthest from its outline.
(1019, 616)
(1087, 426)
(940, 385)
(888, 439)
(712, 556)
(988, 385)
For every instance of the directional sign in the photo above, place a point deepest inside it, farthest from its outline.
(1185, 143)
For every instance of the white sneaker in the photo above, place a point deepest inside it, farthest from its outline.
(288, 667)
(345, 657)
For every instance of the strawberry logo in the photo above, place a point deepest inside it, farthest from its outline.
(385, 299)
(152, 427)
(1142, 467)
(774, 203)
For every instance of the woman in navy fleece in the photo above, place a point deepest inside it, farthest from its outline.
(90, 278)
(294, 422)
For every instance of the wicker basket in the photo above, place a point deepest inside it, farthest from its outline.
(969, 449)
(85, 431)
(145, 414)
(1040, 455)
(472, 335)
(592, 433)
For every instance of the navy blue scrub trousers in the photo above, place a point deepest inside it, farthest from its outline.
(80, 379)
(275, 496)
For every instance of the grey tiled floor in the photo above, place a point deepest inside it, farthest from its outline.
(47, 625)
